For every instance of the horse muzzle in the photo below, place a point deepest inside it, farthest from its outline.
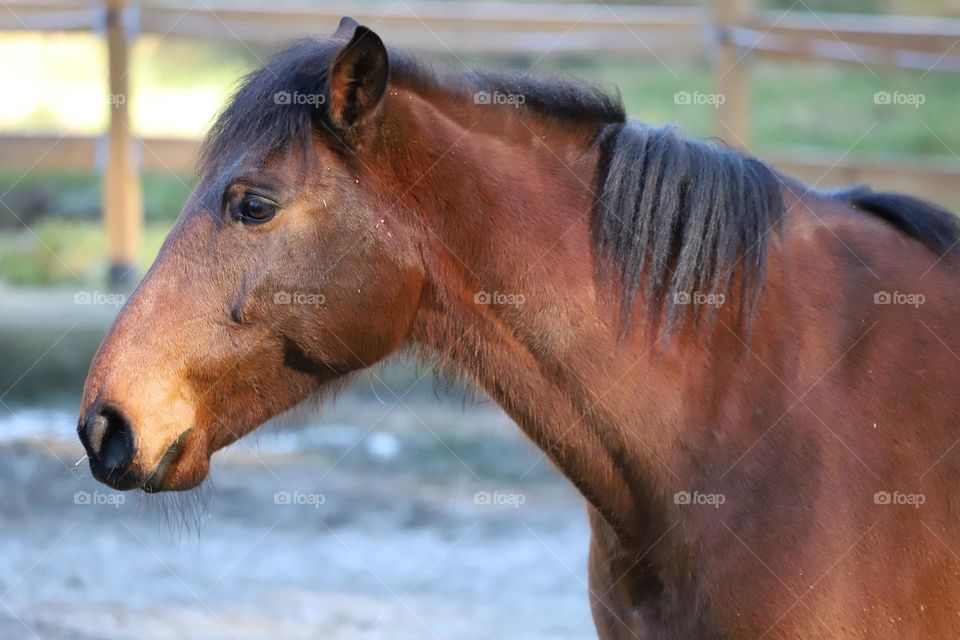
(109, 439)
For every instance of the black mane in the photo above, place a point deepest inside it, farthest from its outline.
(932, 226)
(258, 120)
(678, 218)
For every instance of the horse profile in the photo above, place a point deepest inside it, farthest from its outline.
(751, 382)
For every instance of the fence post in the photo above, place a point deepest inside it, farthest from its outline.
(122, 195)
(731, 73)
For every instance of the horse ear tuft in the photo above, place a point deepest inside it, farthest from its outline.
(358, 77)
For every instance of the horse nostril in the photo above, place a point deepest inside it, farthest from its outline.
(96, 429)
(110, 440)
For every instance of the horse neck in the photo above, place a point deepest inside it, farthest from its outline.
(511, 299)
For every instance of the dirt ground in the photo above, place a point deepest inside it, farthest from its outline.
(419, 521)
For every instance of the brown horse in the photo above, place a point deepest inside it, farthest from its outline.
(748, 380)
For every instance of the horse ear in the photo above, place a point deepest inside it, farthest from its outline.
(346, 28)
(358, 76)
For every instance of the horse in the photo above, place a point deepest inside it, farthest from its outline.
(748, 379)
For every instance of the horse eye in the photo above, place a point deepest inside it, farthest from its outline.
(255, 210)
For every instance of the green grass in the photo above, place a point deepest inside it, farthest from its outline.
(78, 196)
(65, 252)
(794, 105)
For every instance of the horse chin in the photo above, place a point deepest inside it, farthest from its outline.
(178, 479)
(181, 468)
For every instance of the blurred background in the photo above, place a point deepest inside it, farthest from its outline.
(404, 510)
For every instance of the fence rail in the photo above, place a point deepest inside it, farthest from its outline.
(730, 32)
(421, 25)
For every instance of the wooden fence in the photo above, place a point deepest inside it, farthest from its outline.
(730, 34)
